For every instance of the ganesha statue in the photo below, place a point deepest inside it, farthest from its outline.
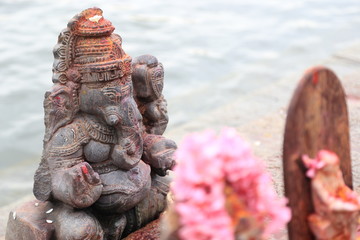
(336, 206)
(105, 161)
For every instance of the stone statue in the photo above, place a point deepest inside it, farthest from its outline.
(336, 205)
(105, 160)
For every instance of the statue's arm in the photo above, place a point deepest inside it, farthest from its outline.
(331, 200)
(320, 191)
(159, 153)
(73, 180)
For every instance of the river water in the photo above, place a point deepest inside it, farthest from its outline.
(213, 51)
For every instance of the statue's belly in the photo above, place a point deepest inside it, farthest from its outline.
(96, 151)
(122, 190)
(125, 155)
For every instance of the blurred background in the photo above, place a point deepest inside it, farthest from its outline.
(213, 52)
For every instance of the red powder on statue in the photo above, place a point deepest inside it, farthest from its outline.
(84, 169)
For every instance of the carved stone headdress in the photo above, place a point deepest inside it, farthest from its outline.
(88, 51)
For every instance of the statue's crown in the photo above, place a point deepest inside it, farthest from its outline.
(91, 22)
(88, 51)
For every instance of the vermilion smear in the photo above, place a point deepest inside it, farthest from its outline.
(315, 78)
(84, 169)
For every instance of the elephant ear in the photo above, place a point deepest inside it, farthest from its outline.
(61, 105)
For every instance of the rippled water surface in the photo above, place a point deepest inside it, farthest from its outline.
(212, 51)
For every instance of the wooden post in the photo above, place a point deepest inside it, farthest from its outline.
(317, 119)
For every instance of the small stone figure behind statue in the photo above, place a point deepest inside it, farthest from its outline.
(103, 169)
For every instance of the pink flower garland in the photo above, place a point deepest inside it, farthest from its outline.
(207, 164)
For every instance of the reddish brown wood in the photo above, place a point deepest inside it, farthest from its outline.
(317, 119)
(150, 232)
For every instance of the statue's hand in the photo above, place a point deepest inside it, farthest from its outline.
(166, 162)
(78, 186)
(159, 153)
(86, 185)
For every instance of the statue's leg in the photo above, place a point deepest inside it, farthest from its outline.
(112, 225)
(149, 208)
(73, 224)
(322, 227)
(119, 224)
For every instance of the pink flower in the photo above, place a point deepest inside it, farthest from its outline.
(207, 165)
(314, 164)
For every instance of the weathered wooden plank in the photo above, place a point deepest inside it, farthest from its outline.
(317, 119)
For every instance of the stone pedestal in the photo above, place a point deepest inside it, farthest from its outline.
(28, 222)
